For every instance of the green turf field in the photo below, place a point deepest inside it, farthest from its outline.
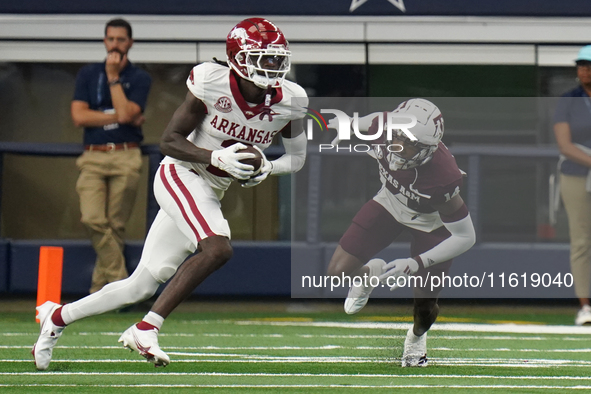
(307, 348)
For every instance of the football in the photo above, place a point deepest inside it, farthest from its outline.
(256, 161)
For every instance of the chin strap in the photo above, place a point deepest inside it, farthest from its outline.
(267, 108)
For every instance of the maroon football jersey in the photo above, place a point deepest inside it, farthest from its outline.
(418, 188)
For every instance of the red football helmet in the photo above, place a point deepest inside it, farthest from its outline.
(258, 51)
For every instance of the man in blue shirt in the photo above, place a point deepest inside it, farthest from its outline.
(109, 101)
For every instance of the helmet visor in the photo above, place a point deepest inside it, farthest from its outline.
(266, 66)
(410, 148)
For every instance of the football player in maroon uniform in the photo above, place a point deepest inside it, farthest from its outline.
(420, 193)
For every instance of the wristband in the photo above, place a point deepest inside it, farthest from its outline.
(419, 260)
(114, 82)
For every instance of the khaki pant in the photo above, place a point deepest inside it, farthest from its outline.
(107, 188)
(577, 202)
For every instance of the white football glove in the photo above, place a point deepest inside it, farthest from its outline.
(228, 159)
(396, 269)
(334, 124)
(264, 172)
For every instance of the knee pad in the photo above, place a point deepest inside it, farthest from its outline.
(141, 285)
(164, 270)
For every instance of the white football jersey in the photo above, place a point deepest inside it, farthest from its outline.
(231, 119)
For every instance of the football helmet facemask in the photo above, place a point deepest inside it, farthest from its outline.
(258, 51)
(428, 132)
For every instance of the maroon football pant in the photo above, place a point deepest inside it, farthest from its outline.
(374, 228)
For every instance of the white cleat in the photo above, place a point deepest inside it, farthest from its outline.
(583, 316)
(415, 350)
(48, 335)
(359, 295)
(145, 342)
(357, 298)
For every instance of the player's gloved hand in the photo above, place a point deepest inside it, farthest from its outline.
(396, 269)
(266, 168)
(334, 124)
(228, 159)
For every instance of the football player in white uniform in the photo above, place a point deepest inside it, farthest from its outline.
(226, 109)
(419, 194)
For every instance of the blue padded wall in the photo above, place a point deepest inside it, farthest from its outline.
(255, 269)
(4, 265)
(266, 269)
(78, 264)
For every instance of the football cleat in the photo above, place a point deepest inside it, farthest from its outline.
(145, 342)
(357, 298)
(359, 295)
(415, 350)
(48, 335)
(583, 316)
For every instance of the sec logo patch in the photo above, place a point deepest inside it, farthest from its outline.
(224, 104)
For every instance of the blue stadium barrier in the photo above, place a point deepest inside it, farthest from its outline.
(256, 269)
(275, 268)
(78, 264)
(4, 264)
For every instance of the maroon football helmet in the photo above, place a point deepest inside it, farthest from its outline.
(258, 51)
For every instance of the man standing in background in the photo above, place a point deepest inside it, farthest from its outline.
(572, 128)
(109, 101)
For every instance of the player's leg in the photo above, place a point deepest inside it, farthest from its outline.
(425, 312)
(122, 191)
(214, 252)
(196, 210)
(164, 250)
(343, 262)
(143, 337)
(92, 189)
(372, 229)
(426, 308)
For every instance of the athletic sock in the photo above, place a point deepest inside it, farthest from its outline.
(56, 317)
(152, 319)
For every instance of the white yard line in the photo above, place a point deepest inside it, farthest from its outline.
(326, 347)
(279, 386)
(306, 375)
(254, 359)
(434, 335)
(464, 327)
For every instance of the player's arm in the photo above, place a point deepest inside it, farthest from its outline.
(456, 219)
(295, 144)
(566, 146)
(174, 141)
(185, 119)
(83, 116)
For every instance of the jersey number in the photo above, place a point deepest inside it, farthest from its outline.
(455, 193)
